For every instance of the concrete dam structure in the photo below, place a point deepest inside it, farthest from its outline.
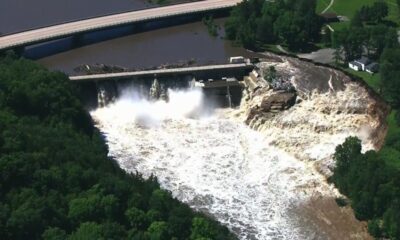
(221, 83)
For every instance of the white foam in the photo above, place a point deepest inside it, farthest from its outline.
(215, 165)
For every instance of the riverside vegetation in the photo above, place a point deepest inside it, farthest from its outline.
(370, 180)
(56, 181)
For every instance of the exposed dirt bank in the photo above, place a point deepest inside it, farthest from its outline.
(325, 108)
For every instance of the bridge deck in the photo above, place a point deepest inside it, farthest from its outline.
(108, 76)
(68, 29)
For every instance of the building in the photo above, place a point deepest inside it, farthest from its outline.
(372, 68)
(329, 17)
(238, 59)
(359, 64)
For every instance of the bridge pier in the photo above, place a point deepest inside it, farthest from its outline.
(19, 50)
(78, 40)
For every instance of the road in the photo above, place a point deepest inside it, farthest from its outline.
(329, 6)
(67, 29)
(107, 76)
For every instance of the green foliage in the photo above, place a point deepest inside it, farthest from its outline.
(271, 74)
(372, 186)
(254, 23)
(398, 5)
(357, 20)
(54, 234)
(390, 72)
(211, 26)
(158, 231)
(370, 41)
(56, 181)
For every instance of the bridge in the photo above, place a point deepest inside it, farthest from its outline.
(168, 71)
(98, 23)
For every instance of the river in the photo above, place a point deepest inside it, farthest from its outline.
(168, 45)
(206, 158)
(215, 164)
(163, 46)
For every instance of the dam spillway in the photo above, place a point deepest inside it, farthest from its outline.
(222, 83)
(258, 182)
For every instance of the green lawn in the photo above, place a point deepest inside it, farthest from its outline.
(371, 79)
(349, 7)
(322, 4)
(391, 154)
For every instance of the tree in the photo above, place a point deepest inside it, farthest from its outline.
(398, 5)
(136, 218)
(201, 229)
(51, 186)
(356, 21)
(379, 10)
(54, 234)
(87, 230)
(271, 74)
(327, 37)
(390, 70)
(158, 231)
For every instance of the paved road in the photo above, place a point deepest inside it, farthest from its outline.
(107, 76)
(329, 6)
(67, 29)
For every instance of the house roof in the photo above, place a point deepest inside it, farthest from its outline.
(363, 60)
(355, 63)
(372, 66)
(329, 15)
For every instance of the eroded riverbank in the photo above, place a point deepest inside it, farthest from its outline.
(264, 184)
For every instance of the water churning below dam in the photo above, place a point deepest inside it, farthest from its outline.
(259, 168)
(214, 163)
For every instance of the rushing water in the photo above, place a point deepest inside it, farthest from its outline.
(215, 164)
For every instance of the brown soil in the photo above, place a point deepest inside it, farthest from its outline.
(325, 216)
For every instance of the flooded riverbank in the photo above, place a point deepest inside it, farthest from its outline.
(143, 50)
(218, 165)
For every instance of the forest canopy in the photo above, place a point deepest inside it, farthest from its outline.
(253, 23)
(56, 181)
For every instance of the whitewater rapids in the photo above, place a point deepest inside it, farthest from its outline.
(214, 163)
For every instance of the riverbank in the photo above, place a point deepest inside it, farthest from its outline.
(330, 107)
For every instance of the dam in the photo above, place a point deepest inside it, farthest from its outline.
(223, 83)
(263, 172)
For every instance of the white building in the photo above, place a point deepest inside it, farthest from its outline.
(359, 64)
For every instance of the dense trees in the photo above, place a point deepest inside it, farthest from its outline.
(257, 22)
(56, 181)
(398, 5)
(390, 72)
(374, 13)
(356, 41)
(366, 39)
(372, 186)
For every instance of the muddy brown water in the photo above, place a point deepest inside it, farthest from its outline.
(153, 48)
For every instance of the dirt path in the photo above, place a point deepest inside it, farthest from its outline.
(329, 6)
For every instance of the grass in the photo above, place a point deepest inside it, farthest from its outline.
(322, 4)
(391, 154)
(371, 79)
(349, 7)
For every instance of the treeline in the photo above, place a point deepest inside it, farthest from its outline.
(294, 23)
(367, 34)
(56, 181)
(372, 186)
